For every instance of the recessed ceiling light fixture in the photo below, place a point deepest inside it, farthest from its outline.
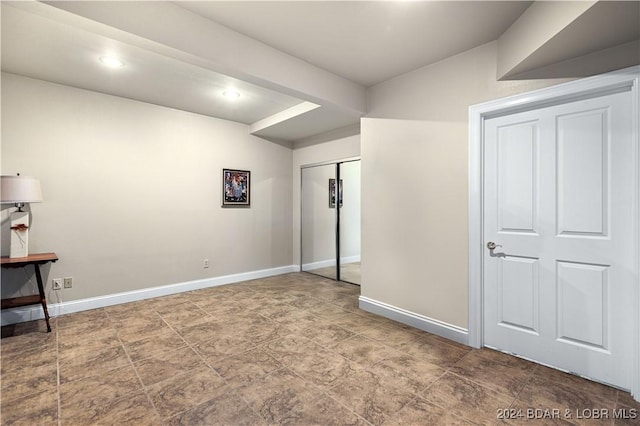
(111, 62)
(231, 94)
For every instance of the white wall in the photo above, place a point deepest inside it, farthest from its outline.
(337, 149)
(132, 191)
(414, 183)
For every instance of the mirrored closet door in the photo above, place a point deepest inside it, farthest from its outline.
(349, 230)
(330, 220)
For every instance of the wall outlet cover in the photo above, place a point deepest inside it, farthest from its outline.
(56, 283)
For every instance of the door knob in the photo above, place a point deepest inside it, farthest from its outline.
(492, 246)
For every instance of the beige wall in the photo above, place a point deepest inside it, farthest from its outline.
(132, 190)
(337, 149)
(414, 183)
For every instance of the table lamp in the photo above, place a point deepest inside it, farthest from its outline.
(19, 190)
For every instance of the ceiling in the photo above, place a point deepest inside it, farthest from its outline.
(366, 42)
(49, 50)
(301, 67)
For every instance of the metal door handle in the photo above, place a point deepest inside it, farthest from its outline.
(492, 246)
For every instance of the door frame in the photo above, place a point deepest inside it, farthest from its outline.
(618, 81)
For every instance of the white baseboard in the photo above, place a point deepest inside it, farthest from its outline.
(448, 331)
(34, 312)
(331, 262)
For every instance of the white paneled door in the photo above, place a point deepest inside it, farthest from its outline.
(559, 198)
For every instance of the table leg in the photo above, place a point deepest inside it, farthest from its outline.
(43, 300)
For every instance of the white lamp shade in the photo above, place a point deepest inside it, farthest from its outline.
(20, 189)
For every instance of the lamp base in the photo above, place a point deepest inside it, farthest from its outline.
(19, 234)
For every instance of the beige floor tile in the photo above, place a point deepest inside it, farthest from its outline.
(145, 326)
(413, 374)
(326, 335)
(289, 349)
(73, 347)
(242, 368)
(171, 300)
(546, 374)
(496, 357)
(420, 412)
(260, 331)
(627, 416)
(126, 309)
(302, 321)
(25, 381)
(185, 391)
(322, 367)
(522, 413)
(277, 310)
(302, 302)
(363, 351)
(165, 341)
(163, 365)
(467, 399)
(90, 364)
(35, 409)
(226, 409)
(230, 308)
(135, 410)
(325, 309)
(81, 329)
(17, 344)
(625, 398)
(348, 303)
(94, 391)
(540, 391)
(309, 408)
(222, 347)
(84, 319)
(282, 383)
(390, 336)
(483, 367)
(31, 357)
(202, 332)
(184, 314)
(434, 351)
(284, 398)
(372, 396)
(627, 410)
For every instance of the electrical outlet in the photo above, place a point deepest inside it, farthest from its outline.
(68, 282)
(57, 283)
(205, 263)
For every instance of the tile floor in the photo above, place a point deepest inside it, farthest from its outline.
(293, 349)
(349, 272)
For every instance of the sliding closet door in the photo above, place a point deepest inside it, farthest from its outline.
(318, 220)
(350, 222)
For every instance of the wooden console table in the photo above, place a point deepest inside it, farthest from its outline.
(20, 262)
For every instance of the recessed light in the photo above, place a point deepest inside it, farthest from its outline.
(231, 94)
(111, 62)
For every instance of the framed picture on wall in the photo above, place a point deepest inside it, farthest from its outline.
(236, 188)
(332, 193)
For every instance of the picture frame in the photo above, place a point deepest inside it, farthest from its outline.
(332, 193)
(236, 188)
